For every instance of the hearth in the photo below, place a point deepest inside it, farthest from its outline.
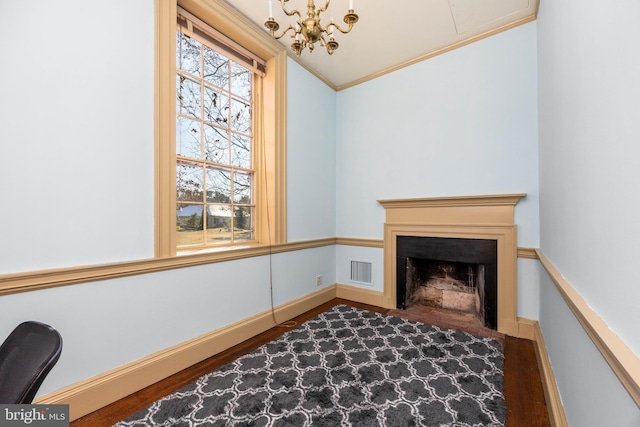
(450, 273)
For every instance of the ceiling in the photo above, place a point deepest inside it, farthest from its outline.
(392, 34)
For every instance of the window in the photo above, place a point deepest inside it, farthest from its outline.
(215, 165)
(220, 136)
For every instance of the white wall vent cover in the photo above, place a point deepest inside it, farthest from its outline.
(361, 272)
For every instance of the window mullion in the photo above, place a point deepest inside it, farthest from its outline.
(230, 148)
(202, 147)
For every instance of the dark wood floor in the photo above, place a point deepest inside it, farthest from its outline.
(523, 388)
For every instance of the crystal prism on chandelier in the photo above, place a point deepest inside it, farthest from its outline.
(309, 30)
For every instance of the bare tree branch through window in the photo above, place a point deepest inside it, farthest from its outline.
(214, 138)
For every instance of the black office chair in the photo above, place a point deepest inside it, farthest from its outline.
(26, 357)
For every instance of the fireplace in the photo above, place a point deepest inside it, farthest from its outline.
(450, 273)
(457, 220)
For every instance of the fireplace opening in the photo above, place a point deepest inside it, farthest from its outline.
(448, 273)
(442, 284)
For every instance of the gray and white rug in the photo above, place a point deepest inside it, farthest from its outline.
(347, 367)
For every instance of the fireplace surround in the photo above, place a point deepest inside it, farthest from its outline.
(486, 217)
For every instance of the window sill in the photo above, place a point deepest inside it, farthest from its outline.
(216, 249)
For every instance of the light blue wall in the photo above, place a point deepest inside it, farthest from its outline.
(311, 156)
(76, 133)
(110, 323)
(295, 273)
(589, 100)
(461, 123)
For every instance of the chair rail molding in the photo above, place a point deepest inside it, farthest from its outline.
(624, 363)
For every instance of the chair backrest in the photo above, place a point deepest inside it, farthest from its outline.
(26, 357)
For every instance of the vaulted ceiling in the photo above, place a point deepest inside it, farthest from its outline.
(392, 34)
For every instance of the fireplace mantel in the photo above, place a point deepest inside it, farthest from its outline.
(466, 217)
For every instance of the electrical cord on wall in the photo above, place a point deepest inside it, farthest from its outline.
(290, 323)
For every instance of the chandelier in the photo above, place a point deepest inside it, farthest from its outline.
(308, 31)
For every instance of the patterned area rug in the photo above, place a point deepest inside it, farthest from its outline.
(347, 367)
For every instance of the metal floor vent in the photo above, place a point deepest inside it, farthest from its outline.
(361, 272)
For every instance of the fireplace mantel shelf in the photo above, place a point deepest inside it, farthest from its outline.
(480, 200)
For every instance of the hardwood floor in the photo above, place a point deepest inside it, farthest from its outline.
(523, 388)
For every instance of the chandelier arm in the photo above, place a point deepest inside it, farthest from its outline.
(337, 27)
(324, 9)
(293, 12)
(291, 27)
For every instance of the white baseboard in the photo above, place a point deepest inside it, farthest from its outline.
(526, 328)
(365, 296)
(551, 394)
